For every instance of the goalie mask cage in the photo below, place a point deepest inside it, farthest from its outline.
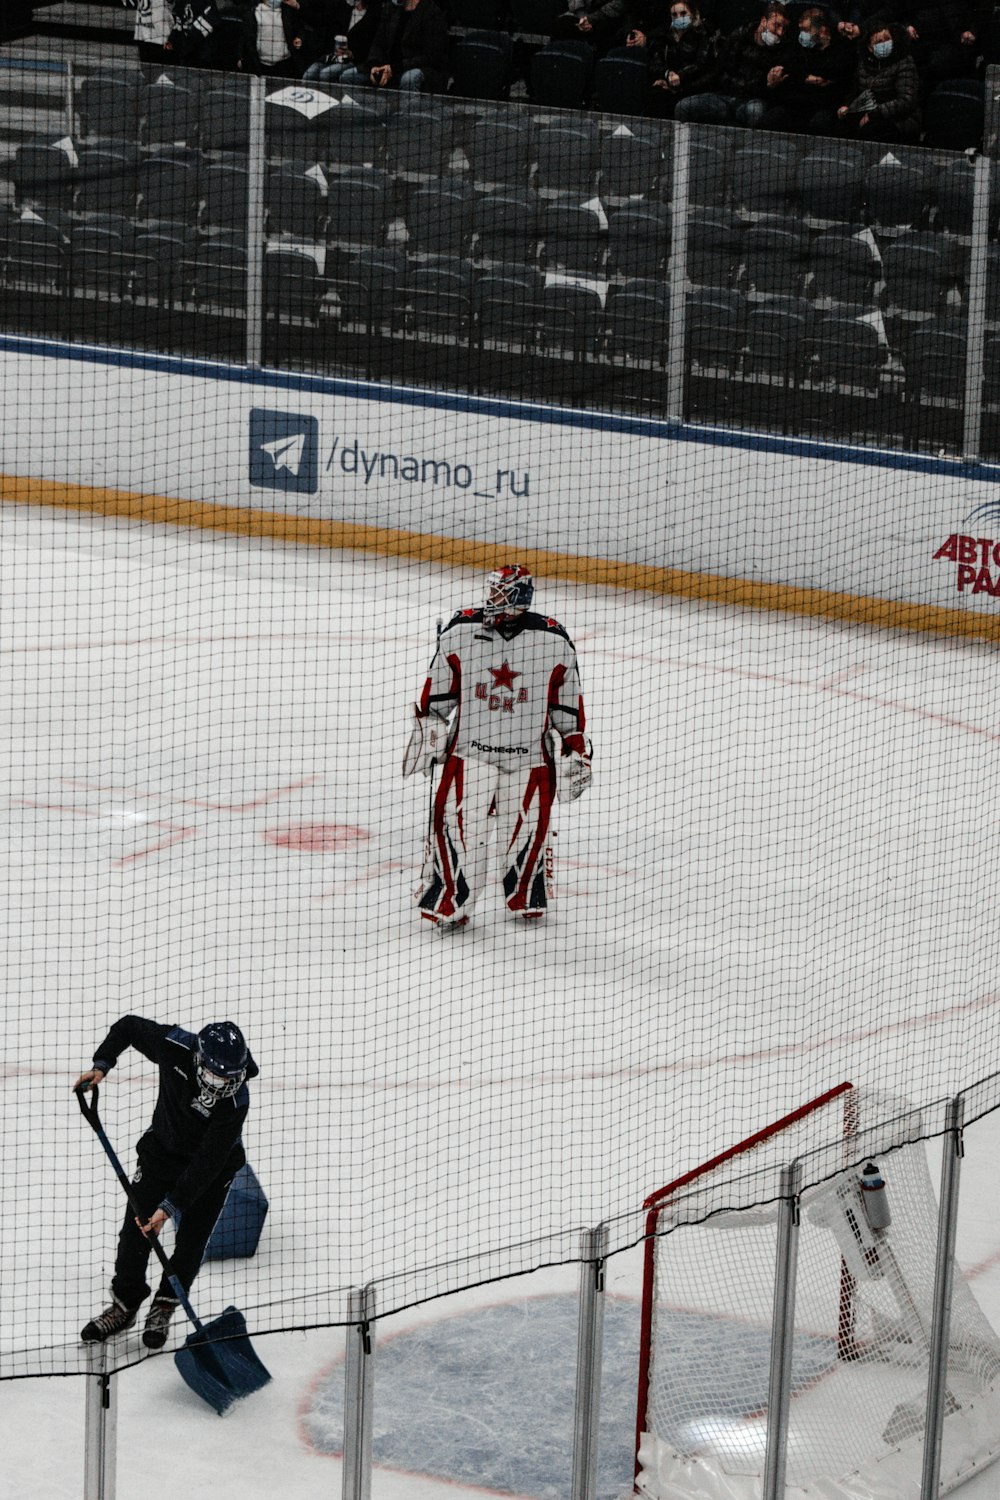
(860, 1331)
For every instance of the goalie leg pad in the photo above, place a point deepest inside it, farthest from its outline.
(455, 869)
(524, 812)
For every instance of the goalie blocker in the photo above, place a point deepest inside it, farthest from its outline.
(502, 713)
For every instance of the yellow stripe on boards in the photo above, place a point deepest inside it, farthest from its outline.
(709, 588)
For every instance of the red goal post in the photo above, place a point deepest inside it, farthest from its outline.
(657, 1202)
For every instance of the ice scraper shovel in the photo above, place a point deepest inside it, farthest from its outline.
(218, 1360)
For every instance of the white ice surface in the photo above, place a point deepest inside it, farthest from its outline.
(785, 875)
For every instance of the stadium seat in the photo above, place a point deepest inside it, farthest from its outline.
(560, 75)
(919, 270)
(161, 263)
(710, 163)
(953, 192)
(508, 308)
(168, 188)
(829, 181)
(374, 290)
(357, 206)
(107, 179)
(293, 286)
(716, 325)
(843, 268)
(639, 240)
(168, 114)
(108, 106)
(775, 340)
(481, 66)
(497, 150)
(934, 361)
(224, 190)
(844, 351)
(101, 255)
(566, 156)
(631, 160)
(439, 297)
(295, 198)
(217, 272)
(953, 115)
(713, 238)
(571, 320)
(621, 81)
(897, 194)
(773, 259)
(35, 255)
(419, 141)
(439, 218)
(225, 120)
(505, 227)
(292, 136)
(637, 321)
(574, 237)
(764, 179)
(354, 135)
(44, 176)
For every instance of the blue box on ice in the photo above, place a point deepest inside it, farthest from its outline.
(238, 1228)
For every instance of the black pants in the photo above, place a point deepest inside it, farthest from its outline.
(155, 1175)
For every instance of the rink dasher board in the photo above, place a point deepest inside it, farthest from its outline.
(875, 536)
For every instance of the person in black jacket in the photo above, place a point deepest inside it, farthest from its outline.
(356, 21)
(186, 1160)
(686, 59)
(946, 37)
(816, 77)
(278, 40)
(751, 64)
(884, 97)
(410, 50)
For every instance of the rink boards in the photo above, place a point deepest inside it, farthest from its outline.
(881, 537)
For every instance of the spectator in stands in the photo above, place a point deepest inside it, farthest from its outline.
(191, 41)
(277, 40)
(816, 79)
(946, 35)
(356, 22)
(410, 49)
(685, 60)
(751, 64)
(595, 21)
(884, 103)
(154, 21)
(859, 14)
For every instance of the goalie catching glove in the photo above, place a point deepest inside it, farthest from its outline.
(572, 754)
(428, 746)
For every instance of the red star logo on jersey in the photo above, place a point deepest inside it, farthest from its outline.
(503, 677)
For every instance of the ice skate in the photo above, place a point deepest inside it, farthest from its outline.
(162, 1309)
(115, 1318)
(446, 925)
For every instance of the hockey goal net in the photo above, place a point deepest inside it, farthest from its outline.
(862, 1320)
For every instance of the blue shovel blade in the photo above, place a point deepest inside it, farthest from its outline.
(219, 1363)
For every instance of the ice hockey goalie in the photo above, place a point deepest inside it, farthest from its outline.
(501, 712)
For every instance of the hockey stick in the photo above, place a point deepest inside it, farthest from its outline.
(218, 1374)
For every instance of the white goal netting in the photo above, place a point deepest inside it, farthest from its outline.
(862, 1323)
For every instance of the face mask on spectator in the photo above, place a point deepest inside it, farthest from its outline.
(768, 38)
(807, 39)
(274, 4)
(680, 23)
(882, 49)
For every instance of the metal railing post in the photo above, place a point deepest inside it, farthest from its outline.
(70, 111)
(255, 225)
(359, 1391)
(589, 1350)
(779, 1387)
(100, 1429)
(676, 353)
(975, 346)
(937, 1377)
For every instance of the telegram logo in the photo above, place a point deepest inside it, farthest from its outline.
(284, 451)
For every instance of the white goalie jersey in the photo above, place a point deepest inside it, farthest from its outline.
(502, 688)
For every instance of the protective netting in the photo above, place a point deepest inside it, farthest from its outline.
(864, 1301)
(309, 364)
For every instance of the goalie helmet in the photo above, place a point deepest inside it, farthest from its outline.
(220, 1061)
(508, 589)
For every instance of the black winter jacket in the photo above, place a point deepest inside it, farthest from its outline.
(691, 55)
(295, 25)
(743, 64)
(201, 1141)
(887, 88)
(337, 22)
(834, 63)
(408, 39)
